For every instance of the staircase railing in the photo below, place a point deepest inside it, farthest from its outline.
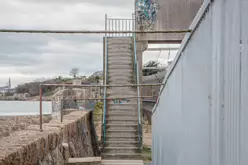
(120, 24)
(105, 83)
(136, 70)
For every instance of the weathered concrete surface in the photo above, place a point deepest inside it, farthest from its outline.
(122, 118)
(53, 146)
(10, 124)
(85, 161)
(169, 15)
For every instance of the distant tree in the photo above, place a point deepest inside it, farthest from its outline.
(74, 72)
(59, 78)
(97, 78)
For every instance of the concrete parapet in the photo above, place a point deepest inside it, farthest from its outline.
(58, 142)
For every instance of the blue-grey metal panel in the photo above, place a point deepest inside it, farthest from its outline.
(201, 116)
(181, 121)
(232, 83)
(244, 84)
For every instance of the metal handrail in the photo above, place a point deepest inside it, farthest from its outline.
(105, 83)
(136, 67)
(120, 25)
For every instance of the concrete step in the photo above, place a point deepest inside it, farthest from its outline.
(111, 66)
(120, 50)
(120, 71)
(122, 162)
(121, 138)
(118, 55)
(120, 59)
(122, 113)
(123, 101)
(126, 92)
(120, 80)
(114, 46)
(127, 156)
(131, 150)
(126, 74)
(120, 83)
(123, 130)
(122, 121)
(122, 143)
(123, 95)
(120, 39)
(117, 128)
(116, 61)
(122, 89)
(84, 161)
(123, 133)
(120, 93)
(112, 106)
(123, 118)
(120, 42)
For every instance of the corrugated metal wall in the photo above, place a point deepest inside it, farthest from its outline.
(202, 114)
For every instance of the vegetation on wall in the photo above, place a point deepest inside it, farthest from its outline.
(147, 72)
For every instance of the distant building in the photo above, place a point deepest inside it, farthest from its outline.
(7, 88)
(21, 96)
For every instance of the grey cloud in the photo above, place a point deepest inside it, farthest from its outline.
(95, 2)
(40, 55)
(30, 49)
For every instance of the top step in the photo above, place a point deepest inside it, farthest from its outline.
(119, 38)
(119, 41)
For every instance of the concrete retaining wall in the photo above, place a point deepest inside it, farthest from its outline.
(74, 137)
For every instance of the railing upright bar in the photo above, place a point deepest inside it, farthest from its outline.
(112, 27)
(116, 29)
(41, 115)
(126, 27)
(119, 27)
(123, 27)
(129, 27)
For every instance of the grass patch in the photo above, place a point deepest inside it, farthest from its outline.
(146, 154)
(97, 113)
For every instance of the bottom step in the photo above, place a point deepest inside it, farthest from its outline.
(122, 162)
(84, 161)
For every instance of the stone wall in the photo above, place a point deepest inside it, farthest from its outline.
(75, 137)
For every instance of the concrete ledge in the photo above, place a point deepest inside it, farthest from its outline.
(27, 147)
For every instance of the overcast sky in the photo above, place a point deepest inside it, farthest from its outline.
(26, 57)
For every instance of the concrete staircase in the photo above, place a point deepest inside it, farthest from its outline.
(121, 118)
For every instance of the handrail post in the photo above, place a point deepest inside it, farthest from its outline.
(136, 63)
(41, 115)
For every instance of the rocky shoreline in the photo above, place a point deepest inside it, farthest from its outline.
(10, 124)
